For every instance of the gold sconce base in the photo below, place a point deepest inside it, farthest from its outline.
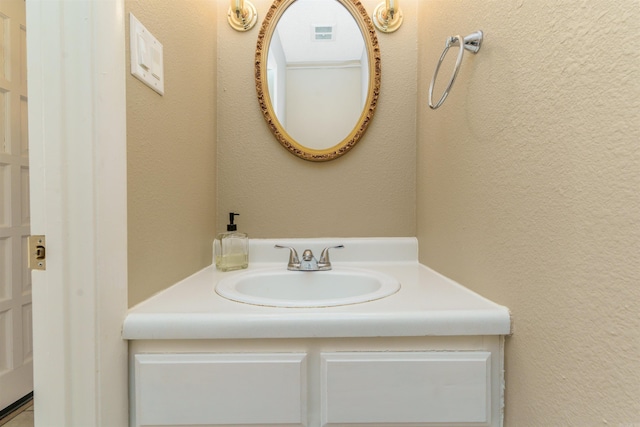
(244, 19)
(383, 21)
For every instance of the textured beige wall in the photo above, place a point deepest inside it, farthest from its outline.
(368, 192)
(171, 148)
(529, 192)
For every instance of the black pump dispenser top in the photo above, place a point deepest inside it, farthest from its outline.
(231, 226)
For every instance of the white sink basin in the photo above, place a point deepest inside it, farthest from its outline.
(278, 287)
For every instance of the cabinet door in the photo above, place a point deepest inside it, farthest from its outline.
(406, 388)
(220, 389)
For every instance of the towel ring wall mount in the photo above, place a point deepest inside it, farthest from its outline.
(472, 43)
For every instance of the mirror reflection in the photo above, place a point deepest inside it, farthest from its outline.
(321, 74)
(317, 72)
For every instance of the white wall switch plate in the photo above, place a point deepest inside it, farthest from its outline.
(146, 56)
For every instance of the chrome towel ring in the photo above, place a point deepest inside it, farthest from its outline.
(471, 43)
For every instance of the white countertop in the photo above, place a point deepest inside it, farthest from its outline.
(428, 304)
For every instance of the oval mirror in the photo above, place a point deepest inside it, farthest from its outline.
(317, 75)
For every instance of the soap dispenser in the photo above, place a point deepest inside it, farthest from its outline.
(232, 248)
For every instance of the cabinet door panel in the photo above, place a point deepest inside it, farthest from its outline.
(406, 388)
(220, 389)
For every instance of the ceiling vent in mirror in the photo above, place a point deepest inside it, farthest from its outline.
(323, 33)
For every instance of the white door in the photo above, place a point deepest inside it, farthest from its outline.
(77, 158)
(16, 349)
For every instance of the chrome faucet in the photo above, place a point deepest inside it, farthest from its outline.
(309, 262)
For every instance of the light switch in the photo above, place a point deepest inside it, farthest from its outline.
(143, 54)
(156, 61)
(146, 56)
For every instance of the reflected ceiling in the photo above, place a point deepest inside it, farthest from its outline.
(330, 23)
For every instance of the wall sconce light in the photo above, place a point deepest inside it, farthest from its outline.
(242, 15)
(387, 17)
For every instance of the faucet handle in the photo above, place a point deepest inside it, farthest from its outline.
(294, 261)
(324, 262)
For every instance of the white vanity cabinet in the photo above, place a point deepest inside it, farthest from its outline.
(428, 355)
(377, 382)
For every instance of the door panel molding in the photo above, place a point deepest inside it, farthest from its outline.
(16, 358)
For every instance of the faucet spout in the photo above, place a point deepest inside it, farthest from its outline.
(309, 262)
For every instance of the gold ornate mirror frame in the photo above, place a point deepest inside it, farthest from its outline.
(373, 52)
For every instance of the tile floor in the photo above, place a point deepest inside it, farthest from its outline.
(21, 417)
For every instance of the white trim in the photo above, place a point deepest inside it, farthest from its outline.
(77, 133)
